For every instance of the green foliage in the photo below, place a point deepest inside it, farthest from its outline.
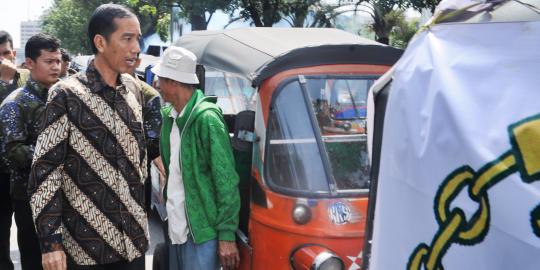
(147, 10)
(389, 14)
(162, 27)
(424, 4)
(393, 28)
(263, 13)
(403, 32)
(298, 13)
(195, 11)
(133, 3)
(323, 13)
(68, 19)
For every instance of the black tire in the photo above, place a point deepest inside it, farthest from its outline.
(161, 257)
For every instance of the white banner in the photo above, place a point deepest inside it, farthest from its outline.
(460, 163)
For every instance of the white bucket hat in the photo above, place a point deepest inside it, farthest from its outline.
(177, 64)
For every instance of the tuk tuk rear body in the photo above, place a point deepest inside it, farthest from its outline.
(301, 147)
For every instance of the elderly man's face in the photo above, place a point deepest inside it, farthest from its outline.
(166, 88)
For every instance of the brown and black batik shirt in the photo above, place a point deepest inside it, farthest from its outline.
(86, 185)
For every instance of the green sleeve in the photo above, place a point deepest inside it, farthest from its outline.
(224, 176)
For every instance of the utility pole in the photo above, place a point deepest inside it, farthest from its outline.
(171, 26)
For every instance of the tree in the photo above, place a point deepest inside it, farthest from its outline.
(325, 14)
(424, 4)
(195, 11)
(149, 12)
(384, 19)
(298, 13)
(68, 19)
(383, 13)
(263, 13)
(313, 13)
(404, 30)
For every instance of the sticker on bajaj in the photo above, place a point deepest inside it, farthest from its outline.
(339, 213)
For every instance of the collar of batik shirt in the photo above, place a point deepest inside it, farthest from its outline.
(96, 82)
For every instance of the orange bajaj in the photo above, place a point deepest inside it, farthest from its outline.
(295, 103)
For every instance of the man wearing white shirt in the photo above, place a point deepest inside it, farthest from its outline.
(201, 192)
(178, 233)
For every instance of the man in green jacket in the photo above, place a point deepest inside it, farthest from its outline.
(202, 198)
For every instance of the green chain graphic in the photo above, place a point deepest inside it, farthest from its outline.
(523, 157)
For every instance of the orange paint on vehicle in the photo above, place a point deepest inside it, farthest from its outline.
(273, 234)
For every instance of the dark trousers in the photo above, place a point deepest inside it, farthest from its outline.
(6, 211)
(26, 236)
(137, 264)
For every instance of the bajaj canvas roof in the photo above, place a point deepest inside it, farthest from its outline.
(258, 53)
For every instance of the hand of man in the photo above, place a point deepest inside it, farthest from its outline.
(159, 164)
(162, 177)
(7, 70)
(228, 255)
(55, 260)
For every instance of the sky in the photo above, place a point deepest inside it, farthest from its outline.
(16, 11)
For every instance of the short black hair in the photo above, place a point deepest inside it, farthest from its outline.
(6, 37)
(102, 21)
(39, 42)
(65, 55)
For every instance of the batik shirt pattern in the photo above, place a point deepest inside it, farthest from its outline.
(90, 163)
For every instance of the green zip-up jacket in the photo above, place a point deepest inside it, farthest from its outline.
(210, 181)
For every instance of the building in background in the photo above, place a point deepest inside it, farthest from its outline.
(28, 29)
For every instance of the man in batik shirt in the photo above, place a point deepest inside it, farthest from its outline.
(87, 178)
(21, 114)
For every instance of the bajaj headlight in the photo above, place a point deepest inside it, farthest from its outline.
(316, 258)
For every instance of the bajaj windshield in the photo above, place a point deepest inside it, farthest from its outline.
(317, 138)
